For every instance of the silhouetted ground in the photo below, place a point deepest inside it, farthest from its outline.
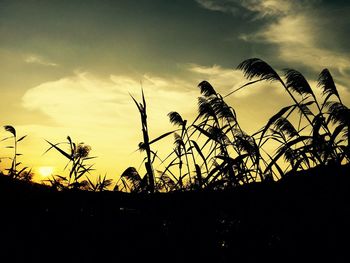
(303, 217)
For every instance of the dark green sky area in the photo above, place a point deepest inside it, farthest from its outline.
(150, 36)
(135, 35)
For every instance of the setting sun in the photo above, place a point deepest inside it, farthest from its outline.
(45, 171)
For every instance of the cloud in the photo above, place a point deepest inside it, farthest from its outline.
(276, 8)
(261, 8)
(267, 7)
(35, 59)
(296, 32)
(225, 6)
(295, 28)
(296, 38)
(83, 100)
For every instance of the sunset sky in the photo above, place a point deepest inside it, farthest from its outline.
(67, 67)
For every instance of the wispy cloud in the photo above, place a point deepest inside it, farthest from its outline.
(296, 36)
(84, 100)
(262, 8)
(277, 8)
(35, 59)
(225, 6)
(293, 28)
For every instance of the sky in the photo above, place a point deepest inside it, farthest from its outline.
(69, 67)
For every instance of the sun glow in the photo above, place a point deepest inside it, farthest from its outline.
(45, 170)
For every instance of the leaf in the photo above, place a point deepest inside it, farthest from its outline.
(200, 153)
(240, 158)
(20, 139)
(6, 138)
(336, 132)
(172, 163)
(160, 137)
(22, 170)
(273, 119)
(84, 170)
(247, 84)
(137, 104)
(206, 133)
(74, 168)
(279, 169)
(89, 158)
(143, 100)
(59, 150)
(212, 172)
(92, 185)
(286, 146)
(304, 109)
(62, 177)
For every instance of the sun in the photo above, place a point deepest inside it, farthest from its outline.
(45, 170)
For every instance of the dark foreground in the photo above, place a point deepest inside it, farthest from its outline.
(304, 217)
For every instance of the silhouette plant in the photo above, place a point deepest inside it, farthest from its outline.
(315, 143)
(77, 156)
(13, 170)
(148, 181)
(101, 184)
(308, 133)
(185, 141)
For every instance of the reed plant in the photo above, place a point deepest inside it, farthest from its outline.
(147, 182)
(15, 171)
(79, 171)
(214, 152)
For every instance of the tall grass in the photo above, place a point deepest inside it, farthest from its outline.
(15, 171)
(214, 152)
(130, 179)
(79, 171)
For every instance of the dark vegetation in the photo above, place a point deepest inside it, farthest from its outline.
(221, 196)
(214, 153)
